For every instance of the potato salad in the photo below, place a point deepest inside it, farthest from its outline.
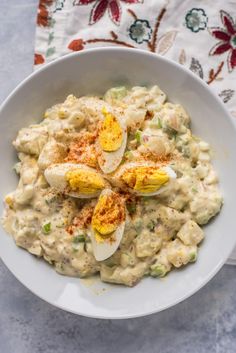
(115, 185)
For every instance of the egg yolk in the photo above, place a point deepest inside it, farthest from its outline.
(111, 133)
(84, 181)
(108, 214)
(145, 179)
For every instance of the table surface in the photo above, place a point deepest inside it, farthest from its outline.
(206, 322)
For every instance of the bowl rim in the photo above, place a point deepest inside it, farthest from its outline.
(178, 66)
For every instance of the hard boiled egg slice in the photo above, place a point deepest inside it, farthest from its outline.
(112, 139)
(146, 179)
(77, 180)
(108, 223)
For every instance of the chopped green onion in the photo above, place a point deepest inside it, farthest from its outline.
(159, 124)
(110, 264)
(151, 225)
(194, 190)
(131, 207)
(174, 133)
(138, 225)
(156, 123)
(46, 228)
(123, 160)
(138, 135)
(79, 239)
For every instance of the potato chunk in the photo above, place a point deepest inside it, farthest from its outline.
(190, 233)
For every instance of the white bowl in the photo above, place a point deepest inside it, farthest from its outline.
(94, 71)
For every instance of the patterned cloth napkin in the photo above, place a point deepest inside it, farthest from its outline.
(200, 34)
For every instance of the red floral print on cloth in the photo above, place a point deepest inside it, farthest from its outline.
(38, 59)
(76, 45)
(227, 37)
(101, 6)
(43, 15)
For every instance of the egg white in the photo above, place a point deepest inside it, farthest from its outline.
(104, 250)
(56, 177)
(109, 161)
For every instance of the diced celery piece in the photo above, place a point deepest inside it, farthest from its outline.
(46, 228)
(138, 135)
(128, 155)
(156, 123)
(158, 270)
(116, 93)
(193, 256)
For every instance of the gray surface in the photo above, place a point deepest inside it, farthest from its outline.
(204, 323)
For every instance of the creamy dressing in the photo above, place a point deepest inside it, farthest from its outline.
(161, 232)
